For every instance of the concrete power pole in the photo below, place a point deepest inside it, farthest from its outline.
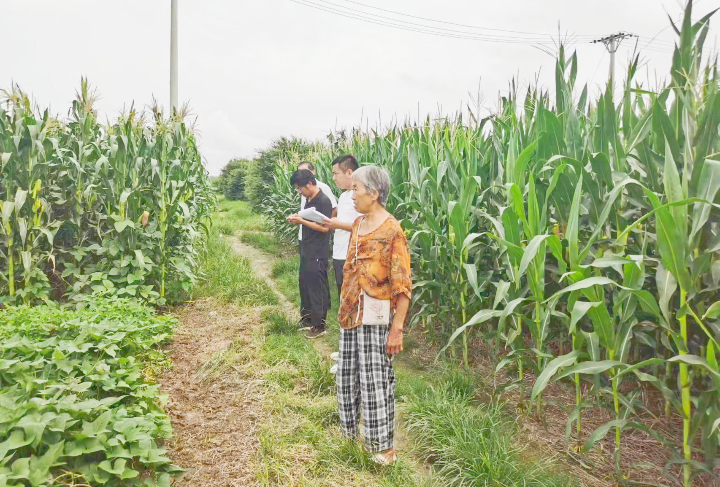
(173, 55)
(612, 43)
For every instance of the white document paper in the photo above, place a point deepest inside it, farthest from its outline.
(311, 214)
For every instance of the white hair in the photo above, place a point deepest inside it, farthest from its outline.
(375, 179)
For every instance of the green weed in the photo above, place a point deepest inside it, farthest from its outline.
(283, 267)
(291, 349)
(234, 216)
(317, 377)
(229, 277)
(266, 242)
(277, 323)
(471, 445)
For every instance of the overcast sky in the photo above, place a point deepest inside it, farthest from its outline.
(255, 70)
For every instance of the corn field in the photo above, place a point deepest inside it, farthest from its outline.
(578, 236)
(87, 208)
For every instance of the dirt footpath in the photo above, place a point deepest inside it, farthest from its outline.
(215, 421)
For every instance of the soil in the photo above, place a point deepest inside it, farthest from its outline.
(215, 422)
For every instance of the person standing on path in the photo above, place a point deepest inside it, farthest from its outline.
(324, 187)
(305, 320)
(343, 168)
(375, 299)
(314, 293)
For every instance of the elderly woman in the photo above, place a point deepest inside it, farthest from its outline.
(373, 305)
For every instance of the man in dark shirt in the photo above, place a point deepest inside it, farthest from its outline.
(313, 254)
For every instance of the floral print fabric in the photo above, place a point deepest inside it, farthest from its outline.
(382, 269)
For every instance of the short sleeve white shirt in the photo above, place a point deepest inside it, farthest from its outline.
(347, 214)
(328, 192)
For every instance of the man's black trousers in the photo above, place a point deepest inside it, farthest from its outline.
(314, 291)
(338, 268)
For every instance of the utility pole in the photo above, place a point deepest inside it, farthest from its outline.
(173, 55)
(612, 43)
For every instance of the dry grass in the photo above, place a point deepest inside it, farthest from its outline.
(215, 422)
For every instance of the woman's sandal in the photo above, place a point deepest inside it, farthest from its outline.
(385, 458)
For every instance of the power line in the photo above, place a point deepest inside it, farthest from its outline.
(426, 30)
(596, 69)
(445, 22)
(651, 45)
(453, 31)
(587, 37)
(417, 28)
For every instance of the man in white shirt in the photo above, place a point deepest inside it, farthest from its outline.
(295, 220)
(342, 222)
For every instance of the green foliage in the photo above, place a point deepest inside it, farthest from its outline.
(268, 186)
(264, 241)
(285, 271)
(73, 402)
(89, 208)
(229, 276)
(471, 445)
(286, 152)
(277, 323)
(581, 237)
(234, 216)
(231, 181)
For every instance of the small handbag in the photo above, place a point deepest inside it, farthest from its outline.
(375, 311)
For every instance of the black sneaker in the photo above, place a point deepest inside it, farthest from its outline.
(303, 325)
(316, 332)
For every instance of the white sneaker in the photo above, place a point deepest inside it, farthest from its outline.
(333, 369)
(335, 356)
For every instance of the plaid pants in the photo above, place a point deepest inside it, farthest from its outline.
(365, 375)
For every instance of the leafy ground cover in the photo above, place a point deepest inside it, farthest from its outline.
(75, 405)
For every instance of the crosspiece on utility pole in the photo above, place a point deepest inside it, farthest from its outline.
(612, 42)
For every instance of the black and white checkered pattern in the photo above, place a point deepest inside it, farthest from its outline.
(365, 375)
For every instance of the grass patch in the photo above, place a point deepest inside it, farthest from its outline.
(234, 216)
(317, 377)
(277, 323)
(290, 349)
(229, 277)
(352, 455)
(410, 382)
(286, 273)
(471, 445)
(267, 242)
(303, 446)
(286, 267)
(301, 443)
